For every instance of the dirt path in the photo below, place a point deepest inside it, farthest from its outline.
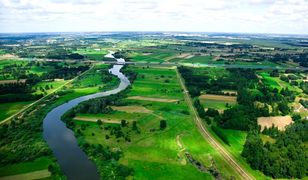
(113, 121)
(29, 176)
(207, 136)
(152, 99)
(132, 109)
(181, 153)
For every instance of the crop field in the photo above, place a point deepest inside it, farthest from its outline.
(278, 121)
(201, 60)
(159, 56)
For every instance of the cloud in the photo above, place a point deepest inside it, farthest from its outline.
(273, 16)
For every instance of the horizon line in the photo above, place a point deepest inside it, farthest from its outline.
(148, 31)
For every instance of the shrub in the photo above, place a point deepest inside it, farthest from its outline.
(163, 124)
(220, 134)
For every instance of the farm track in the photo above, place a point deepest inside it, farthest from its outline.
(207, 136)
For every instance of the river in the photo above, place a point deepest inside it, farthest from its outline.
(73, 162)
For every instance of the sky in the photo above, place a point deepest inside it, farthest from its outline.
(242, 16)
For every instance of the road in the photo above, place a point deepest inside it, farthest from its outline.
(37, 101)
(207, 136)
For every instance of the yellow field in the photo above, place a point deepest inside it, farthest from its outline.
(278, 121)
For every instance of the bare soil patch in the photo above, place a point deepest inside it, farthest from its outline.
(190, 56)
(111, 121)
(132, 109)
(218, 97)
(8, 56)
(12, 81)
(153, 99)
(183, 55)
(278, 121)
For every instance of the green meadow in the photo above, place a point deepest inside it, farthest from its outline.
(8, 109)
(215, 104)
(92, 53)
(275, 82)
(25, 167)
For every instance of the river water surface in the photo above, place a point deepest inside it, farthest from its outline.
(73, 161)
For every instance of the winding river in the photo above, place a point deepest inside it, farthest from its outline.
(73, 161)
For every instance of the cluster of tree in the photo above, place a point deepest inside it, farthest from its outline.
(17, 97)
(65, 72)
(286, 158)
(163, 124)
(219, 132)
(238, 117)
(304, 103)
(196, 82)
(131, 75)
(60, 53)
(18, 87)
(107, 161)
(301, 58)
(199, 108)
(22, 140)
(220, 46)
(271, 131)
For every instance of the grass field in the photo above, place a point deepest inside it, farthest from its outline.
(92, 53)
(154, 153)
(155, 56)
(217, 101)
(201, 60)
(52, 86)
(275, 82)
(8, 109)
(25, 167)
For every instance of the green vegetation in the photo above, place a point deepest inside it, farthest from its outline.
(92, 53)
(216, 104)
(25, 131)
(220, 134)
(25, 167)
(8, 109)
(283, 159)
(141, 140)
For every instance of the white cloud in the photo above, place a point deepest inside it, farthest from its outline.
(266, 16)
